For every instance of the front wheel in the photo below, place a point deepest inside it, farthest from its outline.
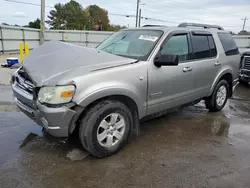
(105, 128)
(218, 99)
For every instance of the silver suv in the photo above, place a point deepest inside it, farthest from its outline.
(104, 93)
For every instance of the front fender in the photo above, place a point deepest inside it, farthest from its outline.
(218, 77)
(110, 91)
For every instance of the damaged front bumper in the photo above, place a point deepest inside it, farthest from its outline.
(58, 121)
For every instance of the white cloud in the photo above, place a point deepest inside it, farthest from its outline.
(20, 14)
(227, 13)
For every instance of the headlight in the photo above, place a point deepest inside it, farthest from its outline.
(56, 95)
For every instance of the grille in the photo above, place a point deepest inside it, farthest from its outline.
(24, 82)
(246, 63)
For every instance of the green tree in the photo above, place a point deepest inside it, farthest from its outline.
(72, 16)
(113, 27)
(35, 24)
(67, 16)
(97, 15)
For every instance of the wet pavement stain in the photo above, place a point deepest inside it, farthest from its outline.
(187, 148)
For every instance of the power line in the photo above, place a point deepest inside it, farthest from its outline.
(177, 3)
(114, 14)
(159, 20)
(123, 15)
(27, 3)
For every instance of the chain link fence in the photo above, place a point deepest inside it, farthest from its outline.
(11, 37)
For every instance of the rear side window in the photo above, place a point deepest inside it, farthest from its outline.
(201, 47)
(213, 50)
(228, 44)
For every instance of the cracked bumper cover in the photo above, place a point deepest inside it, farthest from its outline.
(56, 121)
(59, 122)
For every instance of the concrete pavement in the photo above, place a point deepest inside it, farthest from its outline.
(188, 148)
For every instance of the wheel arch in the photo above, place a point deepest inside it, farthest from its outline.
(224, 75)
(131, 101)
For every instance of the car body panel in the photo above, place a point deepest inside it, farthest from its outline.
(98, 74)
(129, 80)
(169, 87)
(54, 61)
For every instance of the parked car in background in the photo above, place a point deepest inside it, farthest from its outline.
(244, 72)
(103, 93)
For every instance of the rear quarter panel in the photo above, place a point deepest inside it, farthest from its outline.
(229, 64)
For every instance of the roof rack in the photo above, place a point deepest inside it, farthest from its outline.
(154, 26)
(205, 26)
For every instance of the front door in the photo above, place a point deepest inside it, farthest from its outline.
(171, 86)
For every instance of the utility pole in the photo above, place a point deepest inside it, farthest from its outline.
(139, 18)
(137, 13)
(42, 22)
(244, 24)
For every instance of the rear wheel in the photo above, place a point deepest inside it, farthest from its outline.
(218, 99)
(105, 128)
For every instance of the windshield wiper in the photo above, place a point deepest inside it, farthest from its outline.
(114, 42)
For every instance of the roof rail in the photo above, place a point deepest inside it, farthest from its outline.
(205, 26)
(154, 26)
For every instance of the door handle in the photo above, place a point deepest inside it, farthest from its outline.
(217, 63)
(187, 69)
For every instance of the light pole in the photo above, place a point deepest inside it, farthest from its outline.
(139, 25)
(244, 24)
(140, 15)
(42, 22)
(137, 12)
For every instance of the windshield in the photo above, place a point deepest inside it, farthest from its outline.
(136, 44)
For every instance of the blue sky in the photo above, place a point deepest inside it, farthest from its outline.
(227, 13)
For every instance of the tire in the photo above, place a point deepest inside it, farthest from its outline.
(95, 132)
(212, 103)
(243, 82)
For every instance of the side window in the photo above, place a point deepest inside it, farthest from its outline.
(213, 50)
(177, 45)
(201, 47)
(228, 44)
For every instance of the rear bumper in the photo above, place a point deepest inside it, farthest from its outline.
(56, 121)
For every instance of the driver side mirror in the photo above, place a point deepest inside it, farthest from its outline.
(166, 60)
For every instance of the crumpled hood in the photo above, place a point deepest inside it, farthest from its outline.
(55, 60)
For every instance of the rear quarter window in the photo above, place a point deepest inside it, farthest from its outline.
(228, 44)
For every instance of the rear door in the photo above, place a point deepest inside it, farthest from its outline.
(206, 61)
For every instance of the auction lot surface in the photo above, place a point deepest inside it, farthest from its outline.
(188, 148)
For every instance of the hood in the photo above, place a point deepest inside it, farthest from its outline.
(54, 59)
